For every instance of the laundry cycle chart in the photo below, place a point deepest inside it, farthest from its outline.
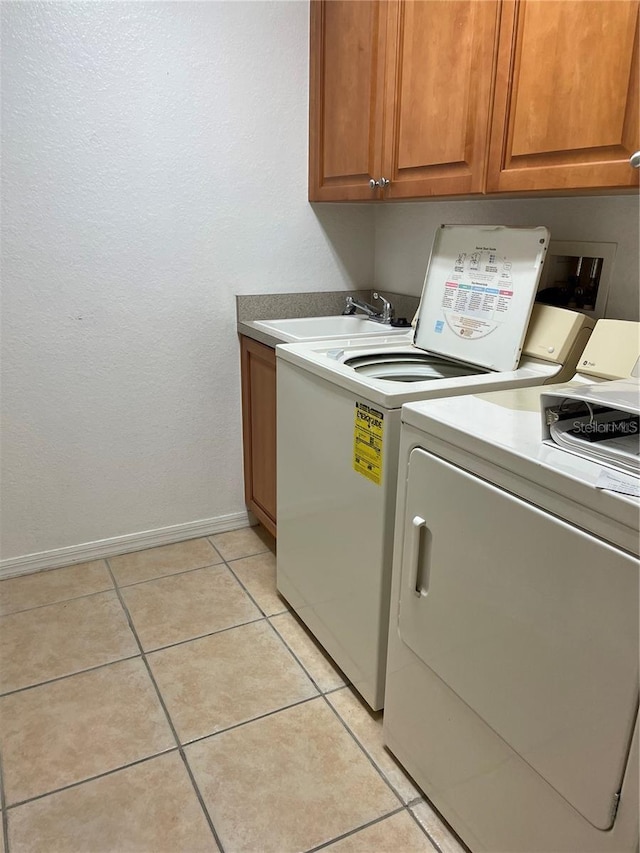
(478, 293)
(368, 436)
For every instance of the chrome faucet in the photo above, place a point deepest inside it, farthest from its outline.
(384, 316)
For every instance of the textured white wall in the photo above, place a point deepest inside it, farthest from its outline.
(404, 233)
(154, 165)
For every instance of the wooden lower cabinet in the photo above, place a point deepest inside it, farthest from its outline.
(258, 372)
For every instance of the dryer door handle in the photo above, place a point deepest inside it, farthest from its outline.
(420, 547)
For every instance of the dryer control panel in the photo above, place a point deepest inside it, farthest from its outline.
(555, 333)
(613, 351)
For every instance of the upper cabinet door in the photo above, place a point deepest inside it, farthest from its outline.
(439, 70)
(345, 109)
(566, 100)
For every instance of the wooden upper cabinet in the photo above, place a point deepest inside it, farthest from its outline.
(566, 99)
(450, 97)
(346, 89)
(400, 92)
(439, 73)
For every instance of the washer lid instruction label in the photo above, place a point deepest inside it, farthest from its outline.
(478, 292)
(368, 437)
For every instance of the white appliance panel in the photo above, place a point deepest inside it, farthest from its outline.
(555, 339)
(333, 526)
(478, 293)
(557, 335)
(498, 437)
(613, 350)
(530, 621)
(488, 794)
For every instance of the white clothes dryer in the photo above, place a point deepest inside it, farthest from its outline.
(339, 427)
(512, 678)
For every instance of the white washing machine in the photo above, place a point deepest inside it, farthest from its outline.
(339, 428)
(512, 679)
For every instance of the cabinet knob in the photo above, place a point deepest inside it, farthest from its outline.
(382, 183)
(634, 160)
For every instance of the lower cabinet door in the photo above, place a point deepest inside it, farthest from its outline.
(258, 368)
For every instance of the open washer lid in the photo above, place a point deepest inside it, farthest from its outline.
(478, 293)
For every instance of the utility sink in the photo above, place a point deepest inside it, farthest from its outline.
(326, 328)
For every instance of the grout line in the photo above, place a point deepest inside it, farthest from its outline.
(295, 657)
(207, 539)
(231, 559)
(131, 657)
(3, 805)
(298, 660)
(445, 824)
(335, 689)
(196, 789)
(52, 603)
(67, 675)
(253, 599)
(326, 693)
(351, 832)
(320, 649)
(203, 636)
(179, 746)
(378, 770)
(252, 720)
(169, 575)
(322, 695)
(92, 778)
(115, 583)
(247, 556)
(421, 827)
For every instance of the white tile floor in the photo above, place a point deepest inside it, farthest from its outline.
(167, 700)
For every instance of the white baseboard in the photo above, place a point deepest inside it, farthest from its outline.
(122, 544)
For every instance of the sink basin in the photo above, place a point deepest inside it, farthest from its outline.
(325, 328)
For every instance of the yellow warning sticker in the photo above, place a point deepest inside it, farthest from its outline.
(368, 437)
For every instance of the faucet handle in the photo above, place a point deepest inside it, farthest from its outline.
(349, 307)
(387, 308)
